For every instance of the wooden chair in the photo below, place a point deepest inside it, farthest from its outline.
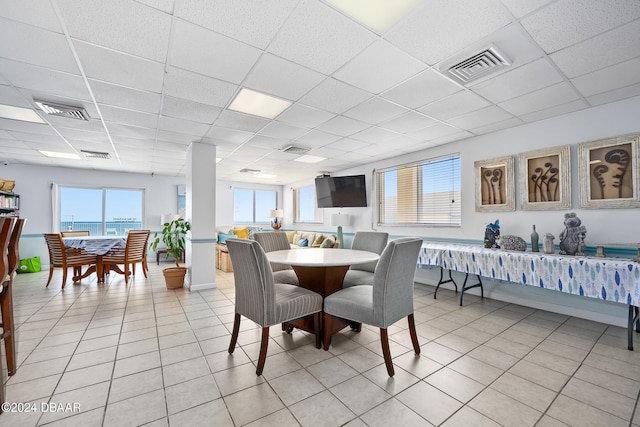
(6, 296)
(267, 303)
(388, 300)
(135, 252)
(6, 224)
(75, 233)
(59, 257)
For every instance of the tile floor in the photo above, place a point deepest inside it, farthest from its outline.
(144, 355)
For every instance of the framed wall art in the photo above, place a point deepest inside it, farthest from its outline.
(495, 185)
(545, 179)
(609, 173)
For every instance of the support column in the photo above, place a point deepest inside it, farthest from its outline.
(201, 212)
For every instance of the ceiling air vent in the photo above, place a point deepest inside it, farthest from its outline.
(489, 61)
(252, 171)
(61, 110)
(95, 154)
(295, 149)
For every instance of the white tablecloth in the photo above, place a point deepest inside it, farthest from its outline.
(98, 245)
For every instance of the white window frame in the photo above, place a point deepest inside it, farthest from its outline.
(254, 190)
(318, 212)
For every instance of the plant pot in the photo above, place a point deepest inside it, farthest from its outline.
(174, 277)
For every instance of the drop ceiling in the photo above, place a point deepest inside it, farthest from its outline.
(155, 76)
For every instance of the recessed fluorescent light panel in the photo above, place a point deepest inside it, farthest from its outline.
(19, 113)
(308, 158)
(378, 15)
(258, 104)
(60, 155)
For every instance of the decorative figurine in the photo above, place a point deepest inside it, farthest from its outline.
(513, 243)
(547, 243)
(572, 237)
(534, 240)
(492, 235)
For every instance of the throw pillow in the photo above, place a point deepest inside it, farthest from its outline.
(242, 233)
(303, 242)
(290, 235)
(223, 237)
(318, 241)
(327, 243)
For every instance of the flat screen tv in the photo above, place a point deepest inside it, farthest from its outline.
(341, 191)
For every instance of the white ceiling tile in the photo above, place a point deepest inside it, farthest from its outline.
(615, 95)
(519, 8)
(120, 68)
(433, 132)
(163, 5)
(375, 110)
(119, 24)
(128, 117)
(335, 96)
(320, 38)
(34, 137)
(349, 144)
(451, 138)
(455, 105)
(219, 133)
(374, 135)
(479, 118)
(524, 79)
(196, 49)
(607, 49)
(12, 96)
(235, 120)
(402, 141)
(26, 127)
(282, 78)
(176, 137)
(60, 123)
(4, 135)
(316, 138)
(183, 126)
(555, 111)
(283, 130)
(190, 110)
(611, 78)
(343, 126)
(408, 122)
(496, 126)
(266, 142)
(36, 46)
(379, 67)
(124, 97)
(567, 22)
(426, 87)
(303, 116)
(130, 131)
(550, 96)
(44, 80)
(255, 22)
(195, 87)
(23, 11)
(436, 30)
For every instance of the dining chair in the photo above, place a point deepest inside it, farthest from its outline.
(6, 296)
(388, 300)
(264, 301)
(6, 225)
(75, 233)
(362, 274)
(59, 257)
(277, 241)
(134, 252)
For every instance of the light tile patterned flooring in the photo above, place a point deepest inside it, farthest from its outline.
(144, 355)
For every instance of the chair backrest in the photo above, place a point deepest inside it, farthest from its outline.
(57, 253)
(136, 245)
(6, 224)
(369, 241)
(253, 280)
(393, 281)
(75, 233)
(14, 243)
(274, 241)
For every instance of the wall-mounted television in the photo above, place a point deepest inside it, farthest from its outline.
(341, 191)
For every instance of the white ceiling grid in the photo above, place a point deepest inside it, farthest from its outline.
(157, 75)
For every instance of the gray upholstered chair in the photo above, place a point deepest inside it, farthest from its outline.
(267, 303)
(362, 274)
(389, 299)
(277, 241)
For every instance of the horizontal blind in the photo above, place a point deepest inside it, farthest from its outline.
(425, 193)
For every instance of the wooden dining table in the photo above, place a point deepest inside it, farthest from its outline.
(99, 246)
(320, 270)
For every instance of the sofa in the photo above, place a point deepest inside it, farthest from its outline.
(297, 238)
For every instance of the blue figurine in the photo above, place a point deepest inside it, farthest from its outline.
(492, 235)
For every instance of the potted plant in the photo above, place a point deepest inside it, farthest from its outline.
(173, 237)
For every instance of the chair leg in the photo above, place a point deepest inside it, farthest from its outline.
(263, 350)
(234, 333)
(64, 277)
(317, 318)
(50, 276)
(328, 320)
(414, 336)
(144, 268)
(6, 303)
(384, 339)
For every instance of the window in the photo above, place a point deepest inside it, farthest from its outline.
(426, 193)
(253, 206)
(102, 211)
(306, 205)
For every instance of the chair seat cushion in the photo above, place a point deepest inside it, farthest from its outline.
(286, 276)
(354, 303)
(357, 278)
(292, 302)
